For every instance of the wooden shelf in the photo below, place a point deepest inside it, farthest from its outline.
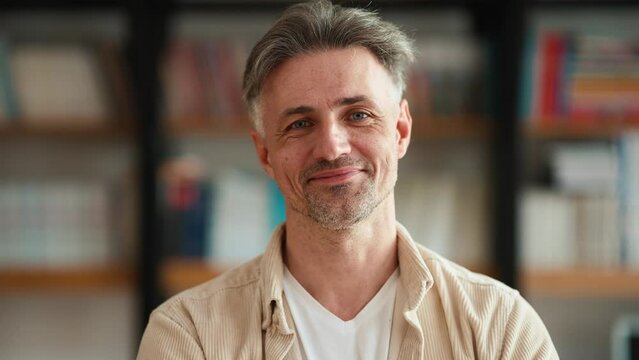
(89, 132)
(561, 129)
(424, 128)
(84, 278)
(452, 128)
(179, 274)
(581, 283)
(209, 127)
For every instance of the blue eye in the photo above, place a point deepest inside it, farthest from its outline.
(299, 124)
(359, 115)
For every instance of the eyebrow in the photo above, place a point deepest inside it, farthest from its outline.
(305, 109)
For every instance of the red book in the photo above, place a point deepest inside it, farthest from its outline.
(552, 46)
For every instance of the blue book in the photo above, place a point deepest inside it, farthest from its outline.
(276, 206)
(7, 93)
(527, 71)
(195, 220)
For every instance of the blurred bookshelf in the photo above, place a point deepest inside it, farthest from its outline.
(60, 93)
(461, 107)
(579, 125)
(68, 172)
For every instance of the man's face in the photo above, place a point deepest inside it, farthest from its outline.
(334, 129)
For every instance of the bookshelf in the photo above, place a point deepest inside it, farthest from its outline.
(576, 113)
(42, 75)
(68, 137)
(151, 134)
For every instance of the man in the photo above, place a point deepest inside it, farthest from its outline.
(340, 279)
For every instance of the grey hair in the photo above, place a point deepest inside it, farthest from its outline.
(316, 26)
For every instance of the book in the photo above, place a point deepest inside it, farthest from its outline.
(8, 106)
(445, 213)
(547, 230)
(585, 77)
(57, 222)
(585, 167)
(426, 206)
(447, 77)
(629, 197)
(202, 80)
(58, 84)
(562, 231)
(245, 211)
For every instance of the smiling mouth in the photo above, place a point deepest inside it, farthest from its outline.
(335, 176)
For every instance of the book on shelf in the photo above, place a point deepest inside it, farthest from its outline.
(227, 219)
(629, 196)
(57, 223)
(587, 167)
(8, 106)
(202, 83)
(446, 214)
(562, 230)
(580, 78)
(589, 218)
(447, 77)
(62, 83)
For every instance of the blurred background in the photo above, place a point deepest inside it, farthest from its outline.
(127, 173)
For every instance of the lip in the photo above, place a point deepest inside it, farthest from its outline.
(335, 175)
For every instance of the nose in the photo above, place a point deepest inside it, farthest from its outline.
(332, 141)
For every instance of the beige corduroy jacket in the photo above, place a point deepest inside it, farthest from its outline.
(442, 311)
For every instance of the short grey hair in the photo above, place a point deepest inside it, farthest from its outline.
(318, 26)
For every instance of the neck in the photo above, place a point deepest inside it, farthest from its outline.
(343, 270)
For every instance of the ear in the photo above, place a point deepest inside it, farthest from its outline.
(403, 128)
(262, 152)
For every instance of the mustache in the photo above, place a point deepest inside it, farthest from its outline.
(342, 161)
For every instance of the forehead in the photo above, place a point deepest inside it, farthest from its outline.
(324, 76)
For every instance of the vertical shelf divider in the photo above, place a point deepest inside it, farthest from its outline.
(148, 27)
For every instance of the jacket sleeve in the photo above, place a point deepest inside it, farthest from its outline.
(166, 339)
(525, 335)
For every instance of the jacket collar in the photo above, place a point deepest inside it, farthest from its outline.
(271, 280)
(414, 275)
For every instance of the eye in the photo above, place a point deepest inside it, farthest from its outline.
(359, 116)
(299, 124)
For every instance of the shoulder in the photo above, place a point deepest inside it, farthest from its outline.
(488, 311)
(463, 282)
(189, 324)
(232, 288)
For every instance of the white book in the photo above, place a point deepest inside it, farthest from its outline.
(469, 222)
(547, 230)
(629, 197)
(240, 217)
(426, 207)
(586, 168)
(59, 83)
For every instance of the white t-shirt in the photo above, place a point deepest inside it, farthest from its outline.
(322, 335)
